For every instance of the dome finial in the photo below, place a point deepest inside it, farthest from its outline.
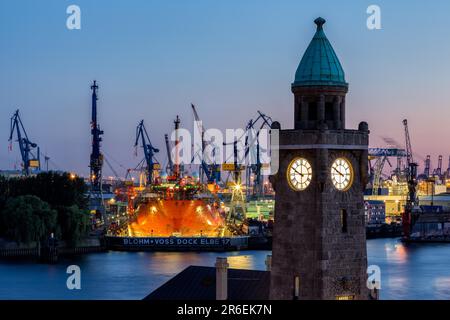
(319, 22)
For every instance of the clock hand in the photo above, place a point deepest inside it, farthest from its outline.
(298, 172)
(338, 171)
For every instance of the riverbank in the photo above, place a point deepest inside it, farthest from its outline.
(383, 230)
(35, 251)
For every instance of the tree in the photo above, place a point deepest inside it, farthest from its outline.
(73, 224)
(27, 218)
(62, 193)
(58, 189)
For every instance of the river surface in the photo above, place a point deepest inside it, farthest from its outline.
(418, 271)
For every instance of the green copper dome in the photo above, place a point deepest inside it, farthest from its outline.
(319, 66)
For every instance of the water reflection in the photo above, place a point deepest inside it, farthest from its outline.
(396, 252)
(242, 262)
(407, 272)
(413, 271)
(442, 287)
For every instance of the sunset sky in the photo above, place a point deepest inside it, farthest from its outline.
(231, 58)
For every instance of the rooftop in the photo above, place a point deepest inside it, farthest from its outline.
(199, 283)
(319, 65)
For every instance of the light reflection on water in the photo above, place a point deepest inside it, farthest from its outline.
(407, 272)
(413, 271)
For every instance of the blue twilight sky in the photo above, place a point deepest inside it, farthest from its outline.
(230, 58)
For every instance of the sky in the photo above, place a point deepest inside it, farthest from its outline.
(230, 58)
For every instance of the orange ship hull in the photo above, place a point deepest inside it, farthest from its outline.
(187, 218)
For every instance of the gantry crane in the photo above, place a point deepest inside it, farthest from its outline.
(29, 159)
(411, 174)
(149, 151)
(438, 171)
(382, 156)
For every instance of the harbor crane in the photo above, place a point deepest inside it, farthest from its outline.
(377, 173)
(29, 159)
(209, 168)
(169, 168)
(382, 156)
(149, 151)
(411, 174)
(254, 169)
(251, 153)
(96, 160)
(251, 148)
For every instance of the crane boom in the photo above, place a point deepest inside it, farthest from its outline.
(412, 184)
(149, 150)
(409, 153)
(25, 145)
(169, 155)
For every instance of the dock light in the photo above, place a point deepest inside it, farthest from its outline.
(72, 176)
(237, 187)
(112, 201)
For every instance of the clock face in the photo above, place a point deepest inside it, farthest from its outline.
(299, 174)
(341, 174)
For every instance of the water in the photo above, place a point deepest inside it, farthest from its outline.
(413, 271)
(408, 272)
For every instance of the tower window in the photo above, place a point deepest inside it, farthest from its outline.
(343, 221)
(296, 287)
(312, 111)
(329, 111)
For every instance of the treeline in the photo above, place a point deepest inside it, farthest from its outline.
(31, 208)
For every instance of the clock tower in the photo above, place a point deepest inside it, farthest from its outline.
(319, 240)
